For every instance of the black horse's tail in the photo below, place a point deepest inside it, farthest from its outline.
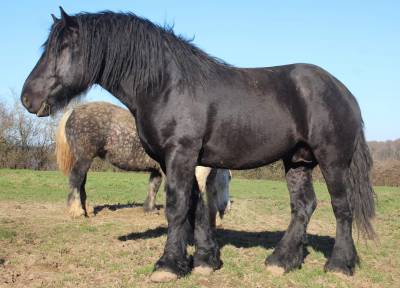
(362, 196)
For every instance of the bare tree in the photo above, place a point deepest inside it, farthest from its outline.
(27, 141)
(5, 125)
(5, 121)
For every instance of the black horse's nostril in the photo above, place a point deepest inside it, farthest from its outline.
(25, 102)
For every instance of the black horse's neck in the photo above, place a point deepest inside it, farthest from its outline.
(128, 55)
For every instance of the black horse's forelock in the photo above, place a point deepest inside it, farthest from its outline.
(116, 46)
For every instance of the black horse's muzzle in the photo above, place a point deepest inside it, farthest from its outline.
(35, 106)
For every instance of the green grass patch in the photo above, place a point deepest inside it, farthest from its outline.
(7, 234)
(52, 186)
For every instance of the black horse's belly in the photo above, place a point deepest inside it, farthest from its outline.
(242, 155)
(250, 142)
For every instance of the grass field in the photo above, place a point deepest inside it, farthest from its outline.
(40, 246)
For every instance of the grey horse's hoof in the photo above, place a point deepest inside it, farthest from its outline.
(75, 210)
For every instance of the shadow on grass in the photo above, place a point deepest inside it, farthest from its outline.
(150, 233)
(246, 239)
(115, 207)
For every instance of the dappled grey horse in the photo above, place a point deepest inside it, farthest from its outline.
(104, 130)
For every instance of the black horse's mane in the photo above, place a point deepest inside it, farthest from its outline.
(118, 45)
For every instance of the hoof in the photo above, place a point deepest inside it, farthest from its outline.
(75, 209)
(275, 270)
(285, 260)
(76, 212)
(149, 208)
(89, 210)
(203, 270)
(149, 205)
(150, 211)
(339, 267)
(163, 276)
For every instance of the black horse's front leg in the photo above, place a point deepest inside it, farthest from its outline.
(180, 170)
(207, 255)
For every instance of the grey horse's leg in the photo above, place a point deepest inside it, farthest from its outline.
(154, 185)
(202, 176)
(76, 201)
(212, 207)
(212, 214)
(217, 190)
(89, 210)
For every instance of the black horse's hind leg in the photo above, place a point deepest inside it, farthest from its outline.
(154, 185)
(76, 201)
(344, 255)
(288, 254)
(207, 255)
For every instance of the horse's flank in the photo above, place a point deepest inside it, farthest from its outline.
(64, 155)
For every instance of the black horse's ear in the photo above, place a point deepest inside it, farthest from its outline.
(55, 19)
(65, 18)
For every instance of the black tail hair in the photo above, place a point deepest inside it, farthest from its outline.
(362, 196)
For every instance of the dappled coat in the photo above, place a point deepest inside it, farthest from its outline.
(104, 130)
(100, 129)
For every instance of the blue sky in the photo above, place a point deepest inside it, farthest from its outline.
(357, 41)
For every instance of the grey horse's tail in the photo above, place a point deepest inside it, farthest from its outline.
(64, 155)
(362, 196)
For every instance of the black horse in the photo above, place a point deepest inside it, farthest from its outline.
(192, 109)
